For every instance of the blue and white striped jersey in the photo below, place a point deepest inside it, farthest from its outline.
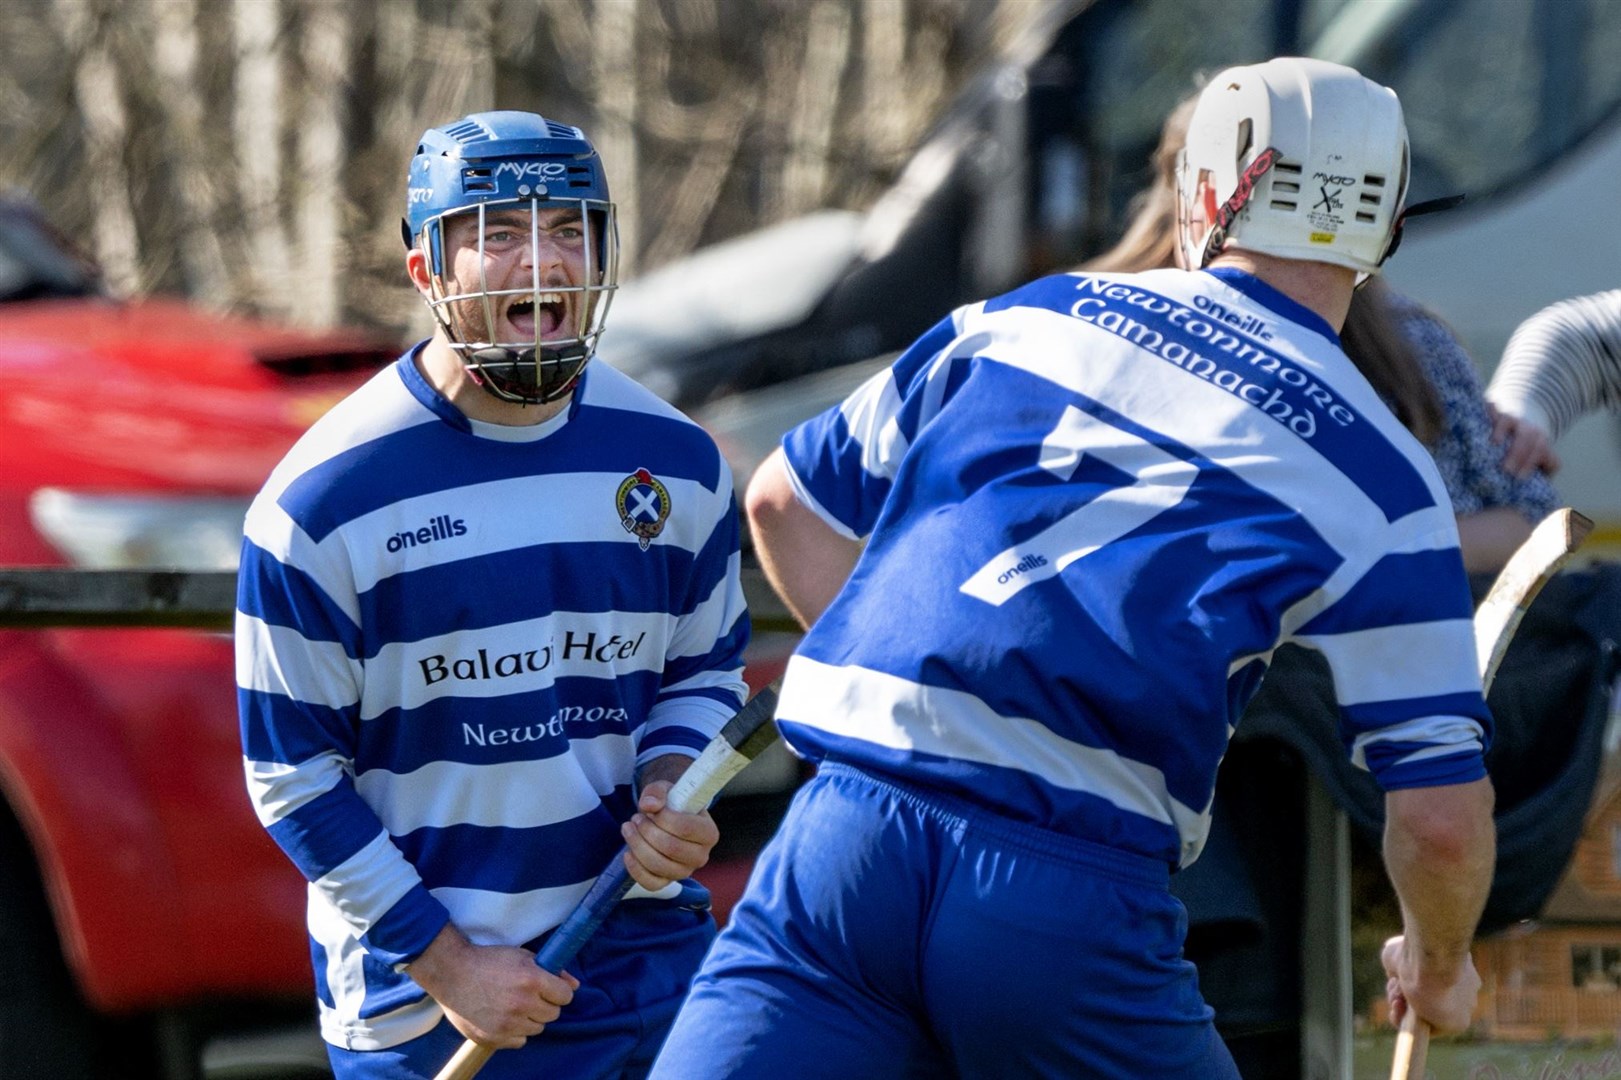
(455, 643)
(1095, 507)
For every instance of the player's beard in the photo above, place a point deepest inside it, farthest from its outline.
(533, 374)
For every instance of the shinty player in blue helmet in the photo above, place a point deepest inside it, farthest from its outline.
(446, 725)
(513, 244)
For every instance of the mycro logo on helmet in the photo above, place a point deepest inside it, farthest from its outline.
(543, 169)
(440, 528)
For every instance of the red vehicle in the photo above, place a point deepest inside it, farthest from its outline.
(140, 901)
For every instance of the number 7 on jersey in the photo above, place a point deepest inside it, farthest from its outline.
(1161, 481)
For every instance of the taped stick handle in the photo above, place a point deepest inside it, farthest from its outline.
(743, 738)
(1532, 565)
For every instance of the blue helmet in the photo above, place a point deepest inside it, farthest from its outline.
(515, 161)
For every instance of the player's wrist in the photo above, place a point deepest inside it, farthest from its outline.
(434, 968)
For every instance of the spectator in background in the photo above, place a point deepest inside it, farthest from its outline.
(1560, 363)
(1414, 362)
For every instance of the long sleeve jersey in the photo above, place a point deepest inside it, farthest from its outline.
(1562, 362)
(456, 641)
(1093, 508)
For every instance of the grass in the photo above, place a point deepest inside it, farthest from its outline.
(1452, 1060)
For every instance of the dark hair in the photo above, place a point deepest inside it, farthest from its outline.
(1371, 337)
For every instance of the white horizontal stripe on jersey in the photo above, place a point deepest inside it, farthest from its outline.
(872, 410)
(379, 1032)
(383, 407)
(280, 660)
(326, 563)
(604, 760)
(860, 703)
(497, 918)
(695, 633)
(1392, 663)
(598, 644)
(708, 680)
(1433, 529)
(277, 790)
(1438, 736)
(512, 794)
(493, 527)
(366, 885)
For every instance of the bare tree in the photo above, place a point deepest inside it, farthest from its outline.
(257, 126)
(816, 102)
(100, 96)
(324, 46)
(709, 132)
(713, 116)
(614, 77)
(196, 220)
(461, 59)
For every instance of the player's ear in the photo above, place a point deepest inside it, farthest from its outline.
(416, 268)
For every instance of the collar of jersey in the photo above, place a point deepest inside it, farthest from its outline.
(441, 407)
(1265, 295)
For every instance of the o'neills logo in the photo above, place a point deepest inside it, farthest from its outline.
(482, 666)
(440, 528)
(1023, 566)
(644, 505)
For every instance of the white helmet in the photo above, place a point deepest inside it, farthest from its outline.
(1310, 157)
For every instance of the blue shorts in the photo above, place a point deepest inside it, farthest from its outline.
(890, 933)
(633, 973)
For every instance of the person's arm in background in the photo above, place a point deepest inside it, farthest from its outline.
(804, 559)
(1439, 851)
(1488, 537)
(1495, 509)
(1560, 363)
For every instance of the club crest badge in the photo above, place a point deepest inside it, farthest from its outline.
(644, 506)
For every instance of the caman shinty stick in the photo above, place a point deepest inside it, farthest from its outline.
(1550, 544)
(745, 736)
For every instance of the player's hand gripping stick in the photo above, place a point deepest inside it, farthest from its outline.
(743, 739)
(1547, 548)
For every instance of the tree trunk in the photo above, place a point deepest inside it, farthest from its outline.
(463, 65)
(98, 88)
(257, 128)
(700, 186)
(810, 128)
(181, 97)
(613, 76)
(321, 159)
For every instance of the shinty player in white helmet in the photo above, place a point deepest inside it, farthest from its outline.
(1045, 559)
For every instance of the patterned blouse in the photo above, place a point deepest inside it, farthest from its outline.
(1469, 462)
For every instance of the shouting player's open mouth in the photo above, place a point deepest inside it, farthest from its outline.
(537, 322)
